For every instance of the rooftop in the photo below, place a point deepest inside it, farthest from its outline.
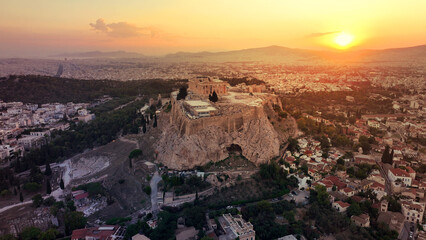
(399, 172)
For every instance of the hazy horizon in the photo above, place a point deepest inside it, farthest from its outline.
(64, 54)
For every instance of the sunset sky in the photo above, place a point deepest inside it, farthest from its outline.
(44, 27)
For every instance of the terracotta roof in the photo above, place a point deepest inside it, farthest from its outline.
(326, 183)
(347, 189)
(376, 185)
(399, 172)
(342, 204)
(336, 181)
(94, 232)
(81, 196)
(363, 218)
(410, 170)
(358, 199)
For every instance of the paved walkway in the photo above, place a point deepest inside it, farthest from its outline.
(154, 189)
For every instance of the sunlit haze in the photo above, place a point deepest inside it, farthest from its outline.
(40, 28)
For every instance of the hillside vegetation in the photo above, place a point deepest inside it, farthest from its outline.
(45, 89)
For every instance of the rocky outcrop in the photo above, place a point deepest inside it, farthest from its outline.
(187, 143)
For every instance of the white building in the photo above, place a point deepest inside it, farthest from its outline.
(237, 227)
(397, 174)
(340, 206)
(413, 211)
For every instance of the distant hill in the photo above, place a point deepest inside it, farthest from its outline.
(271, 53)
(100, 54)
(279, 54)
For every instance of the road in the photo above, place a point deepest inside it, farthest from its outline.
(156, 178)
(20, 204)
(136, 99)
(300, 198)
(388, 187)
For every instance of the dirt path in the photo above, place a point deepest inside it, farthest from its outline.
(124, 139)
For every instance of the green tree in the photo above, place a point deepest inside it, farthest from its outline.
(386, 157)
(48, 187)
(8, 237)
(166, 226)
(213, 97)
(70, 206)
(74, 220)
(32, 186)
(62, 184)
(147, 190)
(206, 238)
(354, 209)
(49, 201)
(50, 234)
(365, 144)
(30, 233)
(37, 200)
(195, 216)
(135, 153)
(289, 215)
(183, 92)
(155, 122)
(394, 205)
(305, 169)
(293, 145)
(48, 171)
(322, 195)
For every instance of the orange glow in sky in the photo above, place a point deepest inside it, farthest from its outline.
(156, 27)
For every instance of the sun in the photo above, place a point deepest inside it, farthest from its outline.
(343, 40)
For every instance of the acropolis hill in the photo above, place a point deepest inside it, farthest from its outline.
(201, 131)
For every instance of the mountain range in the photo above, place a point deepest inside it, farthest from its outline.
(277, 54)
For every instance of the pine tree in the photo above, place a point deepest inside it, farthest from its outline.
(21, 198)
(62, 184)
(155, 122)
(386, 155)
(48, 170)
(18, 165)
(391, 157)
(182, 93)
(214, 97)
(48, 187)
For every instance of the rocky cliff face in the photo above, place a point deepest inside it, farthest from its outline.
(187, 143)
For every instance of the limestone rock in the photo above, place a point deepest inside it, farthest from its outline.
(187, 143)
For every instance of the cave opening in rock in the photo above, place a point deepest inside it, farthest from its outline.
(235, 149)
